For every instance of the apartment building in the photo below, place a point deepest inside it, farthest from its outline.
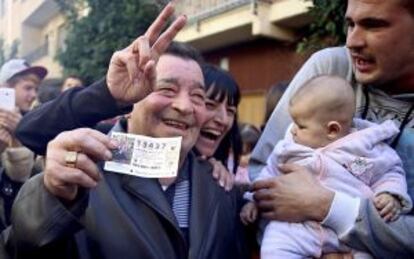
(254, 39)
(38, 28)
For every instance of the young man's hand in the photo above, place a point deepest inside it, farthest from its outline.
(295, 196)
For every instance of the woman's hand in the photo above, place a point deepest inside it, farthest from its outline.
(221, 174)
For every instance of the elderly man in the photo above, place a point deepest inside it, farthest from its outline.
(380, 56)
(76, 210)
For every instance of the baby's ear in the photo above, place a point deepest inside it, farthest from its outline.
(334, 129)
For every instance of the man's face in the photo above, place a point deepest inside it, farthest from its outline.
(176, 106)
(381, 41)
(71, 82)
(26, 93)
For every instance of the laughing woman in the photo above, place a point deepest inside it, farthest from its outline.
(220, 135)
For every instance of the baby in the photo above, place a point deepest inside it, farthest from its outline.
(347, 155)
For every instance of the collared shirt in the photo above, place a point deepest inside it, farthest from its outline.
(178, 195)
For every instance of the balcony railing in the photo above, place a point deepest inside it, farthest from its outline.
(201, 9)
(37, 53)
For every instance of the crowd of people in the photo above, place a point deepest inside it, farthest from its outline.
(330, 176)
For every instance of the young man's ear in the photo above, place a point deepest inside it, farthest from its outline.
(334, 128)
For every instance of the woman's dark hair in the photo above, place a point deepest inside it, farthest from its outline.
(219, 85)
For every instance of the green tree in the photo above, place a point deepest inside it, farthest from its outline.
(327, 27)
(108, 25)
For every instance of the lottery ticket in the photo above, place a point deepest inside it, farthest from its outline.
(145, 156)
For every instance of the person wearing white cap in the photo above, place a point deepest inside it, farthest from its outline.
(16, 161)
(25, 79)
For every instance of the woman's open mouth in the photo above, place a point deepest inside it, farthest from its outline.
(210, 134)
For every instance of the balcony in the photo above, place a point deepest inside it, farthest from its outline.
(37, 13)
(219, 23)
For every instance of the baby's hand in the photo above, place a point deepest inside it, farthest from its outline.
(388, 206)
(248, 213)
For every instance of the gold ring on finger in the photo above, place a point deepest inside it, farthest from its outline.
(71, 158)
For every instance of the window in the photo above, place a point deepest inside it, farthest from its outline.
(2, 8)
(61, 37)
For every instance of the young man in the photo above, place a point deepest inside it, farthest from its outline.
(15, 161)
(25, 80)
(379, 61)
(96, 214)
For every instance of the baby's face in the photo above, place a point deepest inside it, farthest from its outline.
(308, 129)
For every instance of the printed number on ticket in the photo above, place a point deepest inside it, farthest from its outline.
(145, 156)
